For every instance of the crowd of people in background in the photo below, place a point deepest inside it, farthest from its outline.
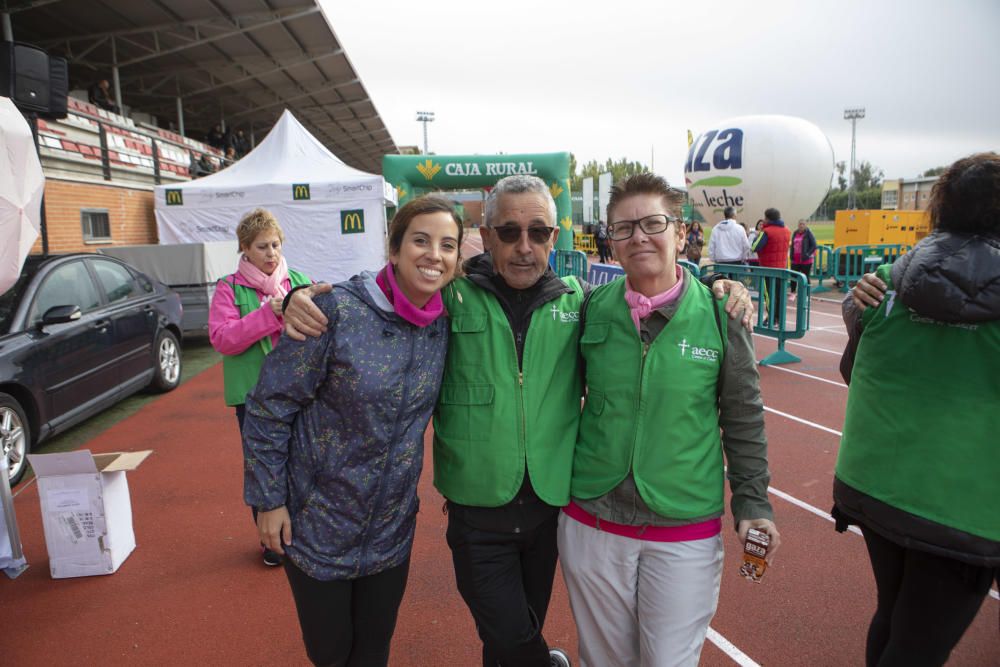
(234, 145)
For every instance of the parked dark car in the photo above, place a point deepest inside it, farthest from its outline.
(78, 333)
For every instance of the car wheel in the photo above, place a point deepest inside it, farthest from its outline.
(15, 437)
(167, 362)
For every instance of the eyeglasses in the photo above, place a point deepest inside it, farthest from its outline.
(651, 224)
(512, 234)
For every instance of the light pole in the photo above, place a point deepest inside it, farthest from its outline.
(852, 115)
(425, 117)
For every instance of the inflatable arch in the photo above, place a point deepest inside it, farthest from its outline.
(413, 175)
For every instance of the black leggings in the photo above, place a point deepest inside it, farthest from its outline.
(925, 604)
(348, 622)
(801, 268)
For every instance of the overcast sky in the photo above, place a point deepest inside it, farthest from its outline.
(628, 79)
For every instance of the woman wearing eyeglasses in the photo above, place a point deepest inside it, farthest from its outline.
(640, 542)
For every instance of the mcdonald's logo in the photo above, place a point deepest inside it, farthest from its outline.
(352, 221)
(300, 191)
(175, 198)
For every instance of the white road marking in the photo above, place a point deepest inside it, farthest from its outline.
(819, 312)
(809, 508)
(833, 330)
(806, 375)
(811, 347)
(804, 421)
(727, 647)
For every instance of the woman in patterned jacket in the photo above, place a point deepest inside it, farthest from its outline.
(333, 439)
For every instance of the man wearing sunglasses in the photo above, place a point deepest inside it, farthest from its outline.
(507, 416)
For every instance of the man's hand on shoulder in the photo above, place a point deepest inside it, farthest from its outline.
(740, 306)
(303, 317)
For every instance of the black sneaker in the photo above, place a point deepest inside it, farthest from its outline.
(558, 658)
(271, 558)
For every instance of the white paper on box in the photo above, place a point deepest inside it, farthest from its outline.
(86, 510)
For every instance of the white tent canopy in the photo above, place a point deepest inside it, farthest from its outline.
(333, 215)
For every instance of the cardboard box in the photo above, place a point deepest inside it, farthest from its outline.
(86, 510)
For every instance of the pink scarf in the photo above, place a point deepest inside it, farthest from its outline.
(271, 286)
(420, 317)
(642, 305)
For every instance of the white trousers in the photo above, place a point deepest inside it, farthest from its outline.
(639, 603)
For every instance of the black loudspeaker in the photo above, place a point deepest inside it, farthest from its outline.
(58, 88)
(34, 81)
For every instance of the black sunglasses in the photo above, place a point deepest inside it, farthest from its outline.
(512, 234)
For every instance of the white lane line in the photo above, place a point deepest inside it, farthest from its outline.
(804, 421)
(819, 312)
(834, 330)
(826, 299)
(811, 347)
(727, 647)
(805, 375)
(809, 508)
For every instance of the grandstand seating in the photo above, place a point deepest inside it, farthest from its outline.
(76, 140)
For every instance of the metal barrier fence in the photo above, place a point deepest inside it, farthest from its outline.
(853, 261)
(569, 263)
(770, 289)
(822, 267)
(691, 266)
(585, 243)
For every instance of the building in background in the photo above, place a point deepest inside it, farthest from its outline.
(911, 194)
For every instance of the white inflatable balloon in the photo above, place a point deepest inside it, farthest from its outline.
(757, 162)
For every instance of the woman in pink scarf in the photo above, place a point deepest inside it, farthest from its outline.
(641, 540)
(244, 321)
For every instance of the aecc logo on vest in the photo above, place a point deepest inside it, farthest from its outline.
(564, 317)
(698, 353)
(352, 221)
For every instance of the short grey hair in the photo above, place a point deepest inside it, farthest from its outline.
(515, 185)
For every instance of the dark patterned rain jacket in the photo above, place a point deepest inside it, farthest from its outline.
(334, 431)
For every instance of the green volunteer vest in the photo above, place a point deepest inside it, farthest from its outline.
(240, 371)
(653, 409)
(915, 438)
(492, 420)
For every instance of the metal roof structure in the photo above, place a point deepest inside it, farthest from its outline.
(198, 62)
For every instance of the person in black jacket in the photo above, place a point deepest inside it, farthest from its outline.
(801, 250)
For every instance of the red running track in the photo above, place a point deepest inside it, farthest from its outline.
(195, 591)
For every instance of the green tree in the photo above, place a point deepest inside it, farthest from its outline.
(841, 168)
(618, 169)
(867, 176)
(935, 171)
